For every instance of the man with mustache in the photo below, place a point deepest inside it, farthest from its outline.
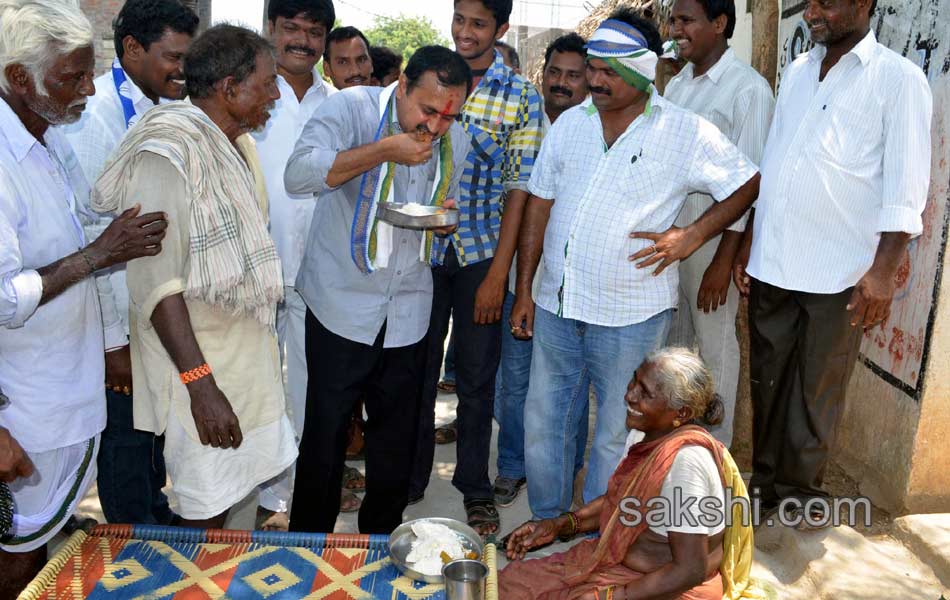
(563, 86)
(51, 342)
(845, 174)
(367, 285)
(298, 29)
(202, 312)
(346, 60)
(717, 86)
(563, 81)
(608, 185)
(151, 38)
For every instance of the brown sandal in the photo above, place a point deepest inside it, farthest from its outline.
(482, 516)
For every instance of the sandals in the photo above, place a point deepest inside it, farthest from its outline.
(446, 387)
(482, 516)
(447, 434)
(353, 480)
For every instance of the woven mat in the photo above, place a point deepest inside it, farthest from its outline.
(128, 561)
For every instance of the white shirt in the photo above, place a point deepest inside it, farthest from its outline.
(693, 474)
(51, 356)
(602, 195)
(735, 98)
(847, 159)
(94, 138)
(290, 214)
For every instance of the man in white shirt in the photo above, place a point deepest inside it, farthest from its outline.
(563, 86)
(51, 343)
(298, 29)
(731, 95)
(609, 182)
(844, 182)
(151, 37)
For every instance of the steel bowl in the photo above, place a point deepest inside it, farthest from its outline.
(435, 217)
(400, 543)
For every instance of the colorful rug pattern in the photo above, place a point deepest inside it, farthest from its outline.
(126, 561)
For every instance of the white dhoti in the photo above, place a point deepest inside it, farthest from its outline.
(207, 481)
(44, 501)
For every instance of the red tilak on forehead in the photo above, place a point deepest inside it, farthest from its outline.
(445, 111)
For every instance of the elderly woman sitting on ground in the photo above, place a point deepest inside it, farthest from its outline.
(643, 552)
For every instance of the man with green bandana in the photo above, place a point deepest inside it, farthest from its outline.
(606, 189)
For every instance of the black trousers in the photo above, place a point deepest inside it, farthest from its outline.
(340, 372)
(803, 350)
(477, 352)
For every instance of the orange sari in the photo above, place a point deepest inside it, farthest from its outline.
(597, 563)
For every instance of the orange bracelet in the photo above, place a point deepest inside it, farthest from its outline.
(195, 374)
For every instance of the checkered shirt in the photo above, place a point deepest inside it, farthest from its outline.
(601, 195)
(503, 116)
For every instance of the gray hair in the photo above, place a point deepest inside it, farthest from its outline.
(34, 33)
(684, 378)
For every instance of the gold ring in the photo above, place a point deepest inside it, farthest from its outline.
(654, 249)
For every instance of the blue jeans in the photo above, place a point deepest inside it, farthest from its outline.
(131, 469)
(569, 356)
(511, 388)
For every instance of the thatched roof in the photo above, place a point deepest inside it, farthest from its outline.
(658, 10)
(649, 8)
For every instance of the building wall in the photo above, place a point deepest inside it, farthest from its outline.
(102, 13)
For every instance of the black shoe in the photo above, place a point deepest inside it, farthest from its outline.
(506, 490)
(416, 498)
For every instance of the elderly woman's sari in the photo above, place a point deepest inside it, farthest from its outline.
(596, 564)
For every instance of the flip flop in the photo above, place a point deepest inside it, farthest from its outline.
(447, 387)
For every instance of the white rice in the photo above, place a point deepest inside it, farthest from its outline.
(432, 539)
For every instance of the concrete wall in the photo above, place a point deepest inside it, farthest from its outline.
(741, 41)
(894, 433)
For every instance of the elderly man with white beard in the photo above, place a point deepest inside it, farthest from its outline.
(52, 367)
